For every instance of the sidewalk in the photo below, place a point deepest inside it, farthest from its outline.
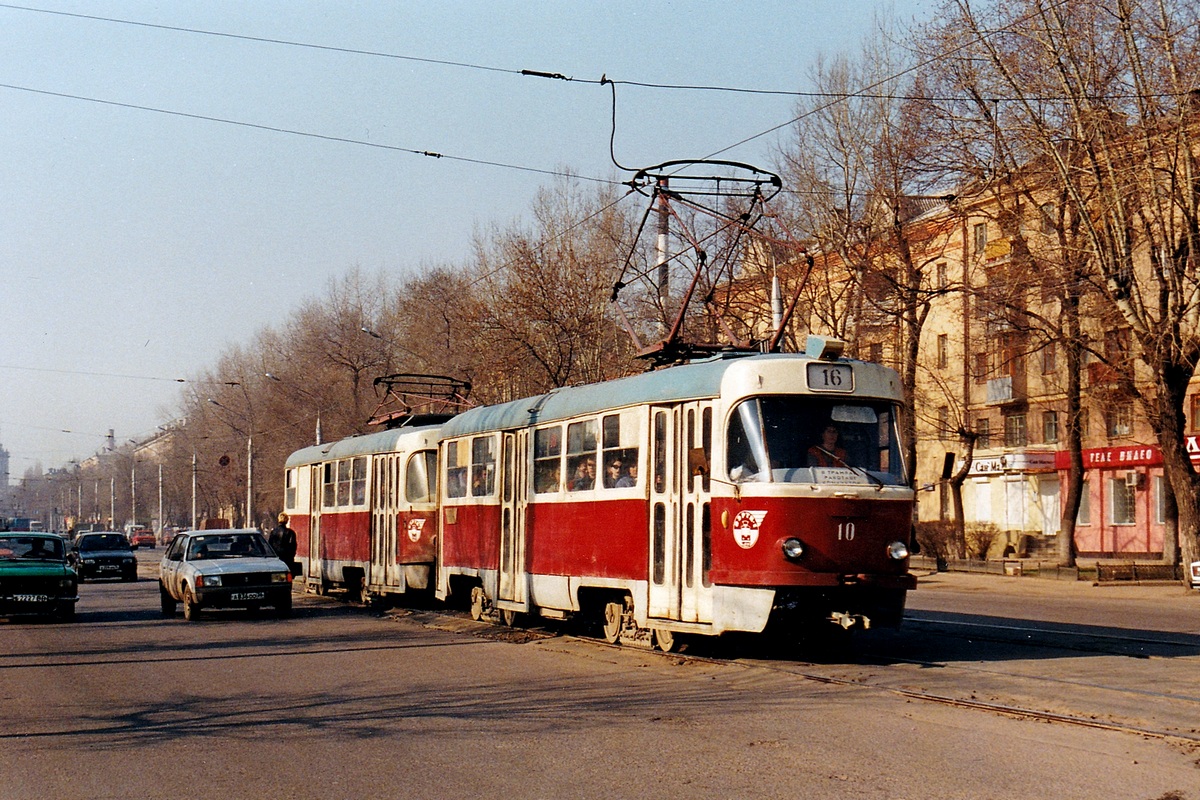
(1160, 606)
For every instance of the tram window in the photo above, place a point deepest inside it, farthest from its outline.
(420, 481)
(329, 482)
(483, 466)
(506, 488)
(619, 439)
(690, 547)
(706, 443)
(289, 494)
(705, 545)
(784, 439)
(660, 543)
(456, 468)
(343, 482)
(691, 444)
(660, 451)
(581, 455)
(547, 458)
(358, 481)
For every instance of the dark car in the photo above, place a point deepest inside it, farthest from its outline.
(233, 568)
(103, 555)
(35, 577)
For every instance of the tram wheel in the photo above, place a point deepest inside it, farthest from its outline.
(613, 612)
(477, 600)
(664, 640)
(509, 617)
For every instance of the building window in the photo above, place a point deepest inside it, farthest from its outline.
(943, 351)
(1124, 500)
(983, 433)
(1194, 416)
(1014, 431)
(981, 367)
(1118, 420)
(1049, 358)
(980, 237)
(943, 276)
(944, 423)
(875, 352)
(1050, 427)
(1084, 517)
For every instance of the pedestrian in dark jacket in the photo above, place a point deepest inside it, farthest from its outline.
(283, 542)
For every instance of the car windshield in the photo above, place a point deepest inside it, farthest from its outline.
(31, 547)
(801, 439)
(102, 541)
(227, 545)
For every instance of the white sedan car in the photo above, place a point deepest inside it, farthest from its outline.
(223, 569)
(1194, 575)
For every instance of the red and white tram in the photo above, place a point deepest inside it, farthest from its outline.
(708, 497)
(365, 511)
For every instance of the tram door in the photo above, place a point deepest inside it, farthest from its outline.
(316, 496)
(513, 499)
(680, 523)
(694, 458)
(385, 482)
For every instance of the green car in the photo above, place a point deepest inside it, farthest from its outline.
(35, 577)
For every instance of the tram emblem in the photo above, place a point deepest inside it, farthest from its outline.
(745, 528)
(415, 526)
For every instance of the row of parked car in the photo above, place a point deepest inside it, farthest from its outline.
(40, 573)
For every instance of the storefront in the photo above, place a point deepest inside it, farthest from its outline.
(1017, 493)
(1122, 511)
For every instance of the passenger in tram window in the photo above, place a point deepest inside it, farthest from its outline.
(585, 475)
(546, 477)
(612, 474)
(630, 477)
(828, 453)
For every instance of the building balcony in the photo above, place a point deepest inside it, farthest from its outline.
(1006, 390)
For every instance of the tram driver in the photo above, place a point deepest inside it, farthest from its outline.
(828, 453)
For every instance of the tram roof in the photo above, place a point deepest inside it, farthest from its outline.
(695, 381)
(384, 441)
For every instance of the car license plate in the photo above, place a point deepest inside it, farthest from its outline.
(248, 596)
(108, 567)
(31, 598)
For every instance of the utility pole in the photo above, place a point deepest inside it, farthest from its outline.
(662, 250)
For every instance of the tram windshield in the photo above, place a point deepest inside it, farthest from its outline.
(804, 439)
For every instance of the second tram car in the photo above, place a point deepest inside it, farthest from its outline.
(714, 496)
(365, 511)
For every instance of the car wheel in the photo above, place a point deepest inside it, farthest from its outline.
(191, 609)
(65, 613)
(168, 602)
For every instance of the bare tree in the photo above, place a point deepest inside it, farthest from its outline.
(1102, 94)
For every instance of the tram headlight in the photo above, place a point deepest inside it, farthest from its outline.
(793, 548)
(897, 551)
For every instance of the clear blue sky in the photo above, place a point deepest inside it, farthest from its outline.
(135, 245)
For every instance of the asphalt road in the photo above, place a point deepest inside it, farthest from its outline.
(341, 702)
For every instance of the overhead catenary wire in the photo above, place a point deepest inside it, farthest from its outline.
(604, 79)
(306, 134)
